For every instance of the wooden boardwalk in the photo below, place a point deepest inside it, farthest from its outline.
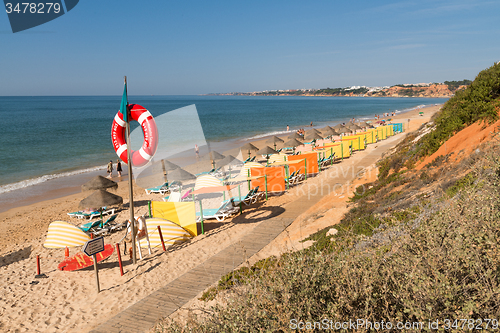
(141, 316)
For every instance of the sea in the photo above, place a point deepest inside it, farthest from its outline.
(50, 145)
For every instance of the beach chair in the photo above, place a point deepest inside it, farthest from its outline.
(250, 198)
(161, 189)
(187, 196)
(226, 209)
(87, 227)
(257, 196)
(296, 178)
(205, 172)
(173, 197)
(327, 161)
(287, 179)
(92, 214)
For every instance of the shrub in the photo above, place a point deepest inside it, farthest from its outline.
(478, 102)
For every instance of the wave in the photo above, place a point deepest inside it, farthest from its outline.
(35, 181)
(260, 136)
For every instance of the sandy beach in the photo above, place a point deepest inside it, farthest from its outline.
(68, 301)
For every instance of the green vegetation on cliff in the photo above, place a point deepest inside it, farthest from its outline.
(478, 102)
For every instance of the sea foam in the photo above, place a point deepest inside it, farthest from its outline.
(35, 181)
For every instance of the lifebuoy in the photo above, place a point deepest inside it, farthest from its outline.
(148, 125)
(140, 228)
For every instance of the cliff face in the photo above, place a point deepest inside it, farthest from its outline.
(434, 90)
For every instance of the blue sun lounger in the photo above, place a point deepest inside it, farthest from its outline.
(226, 209)
(80, 214)
(90, 225)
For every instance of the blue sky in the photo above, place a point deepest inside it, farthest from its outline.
(197, 47)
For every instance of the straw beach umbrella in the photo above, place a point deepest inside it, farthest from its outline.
(180, 175)
(267, 151)
(274, 140)
(99, 183)
(341, 129)
(312, 137)
(292, 143)
(229, 160)
(213, 156)
(313, 130)
(295, 136)
(353, 126)
(249, 147)
(101, 198)
(330, 133)
(168, 166)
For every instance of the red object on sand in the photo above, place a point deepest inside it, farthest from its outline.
(119, 258)
(81, 260)
(37, 265)
(161, 238)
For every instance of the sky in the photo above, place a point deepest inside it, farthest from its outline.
(200, 47)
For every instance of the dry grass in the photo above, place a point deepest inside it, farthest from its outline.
(437, 258)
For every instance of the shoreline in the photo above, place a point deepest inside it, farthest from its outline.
(70, 184)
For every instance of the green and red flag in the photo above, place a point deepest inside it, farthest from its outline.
(124, 104)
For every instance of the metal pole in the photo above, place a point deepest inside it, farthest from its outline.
(201, 215)
(119, 258)
(96, 273)
(130, 186)
(265, 178)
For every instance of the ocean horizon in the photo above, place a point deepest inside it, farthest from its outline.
(50, 142)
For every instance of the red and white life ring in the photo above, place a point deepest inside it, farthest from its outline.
(148, 149)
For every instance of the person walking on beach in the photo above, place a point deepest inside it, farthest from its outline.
(119, 168)
(196, 150)
(110, 169)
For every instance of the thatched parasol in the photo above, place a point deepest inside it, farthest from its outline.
(354, 126)
(101, 198)
(229, 160)
(99, 183)
(249, 147)
(295, 136)
(292, 143)
(266, 151)
(312, 136)
(274, 140)
(313, 130)
(180, 175)
(213, 156)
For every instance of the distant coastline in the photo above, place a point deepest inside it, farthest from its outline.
(428, 90)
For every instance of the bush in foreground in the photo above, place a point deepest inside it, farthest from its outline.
(444, 263)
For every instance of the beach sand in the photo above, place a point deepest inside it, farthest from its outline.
(68, 301)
